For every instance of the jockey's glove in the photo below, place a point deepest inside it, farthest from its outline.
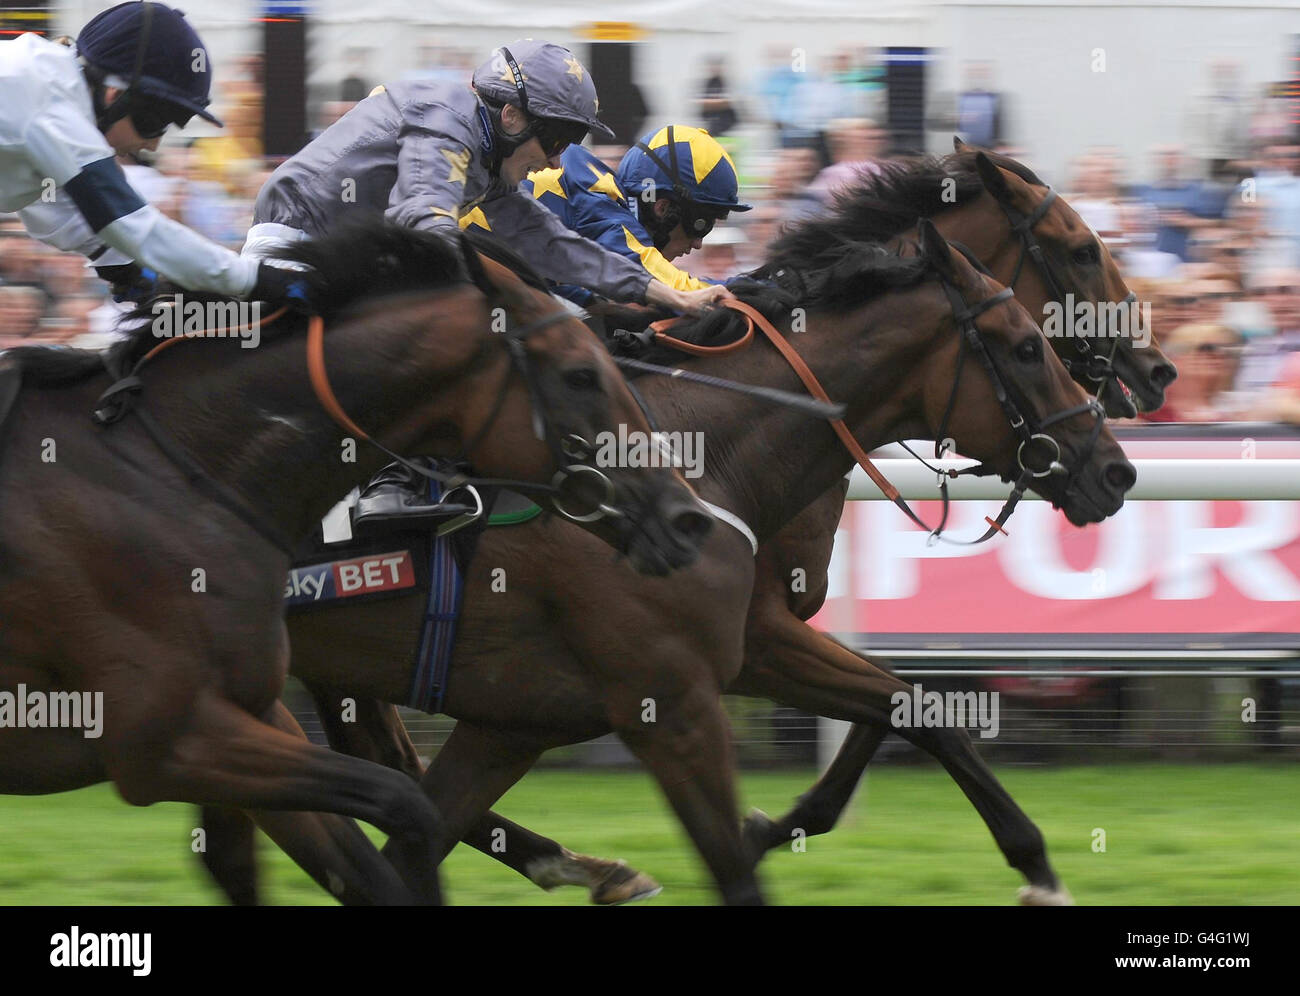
(130, 282)
(278, 286)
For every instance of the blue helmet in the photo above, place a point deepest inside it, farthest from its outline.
(156, 57)
(682, 162)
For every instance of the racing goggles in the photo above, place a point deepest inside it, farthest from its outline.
(556, 134)
(698, 219)
(152, 118)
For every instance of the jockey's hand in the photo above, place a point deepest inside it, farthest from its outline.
(278, 286)
(130, 282)
(696, 301)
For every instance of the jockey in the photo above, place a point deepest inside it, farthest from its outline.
(137, 69)
(671, 188)
(430, 154)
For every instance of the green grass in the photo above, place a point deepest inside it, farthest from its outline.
(1175, 834)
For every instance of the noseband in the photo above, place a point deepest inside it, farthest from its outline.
(1099, 367)
(1026, 427)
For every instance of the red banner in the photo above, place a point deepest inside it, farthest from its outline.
(1174, 573)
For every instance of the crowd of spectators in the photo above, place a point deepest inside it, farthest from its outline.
(1208, 233)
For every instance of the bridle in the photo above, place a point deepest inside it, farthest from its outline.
(570, 458)
(1098, 367)
(1026, 427)
(122, 396)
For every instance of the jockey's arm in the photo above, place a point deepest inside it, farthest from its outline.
(435, 153)
(93, 209)
(563, 256)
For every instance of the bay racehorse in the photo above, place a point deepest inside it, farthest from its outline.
(589, 652)
(142, 560)
(1002, 211)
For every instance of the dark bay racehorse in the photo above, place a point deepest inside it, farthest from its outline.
(587, 651)
(152, 580)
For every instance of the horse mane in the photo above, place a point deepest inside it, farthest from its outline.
(360, 260)
(879, 207)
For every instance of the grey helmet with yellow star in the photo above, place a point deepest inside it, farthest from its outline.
(550, 85)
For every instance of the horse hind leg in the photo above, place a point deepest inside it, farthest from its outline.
(226, 757)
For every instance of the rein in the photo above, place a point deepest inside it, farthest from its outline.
(964, 315)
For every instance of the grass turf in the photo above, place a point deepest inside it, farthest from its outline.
(1174, 834)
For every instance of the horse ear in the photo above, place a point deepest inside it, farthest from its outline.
(935, 248)
(994, 182)
(957, 143)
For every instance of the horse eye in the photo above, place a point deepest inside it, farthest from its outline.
(1087, 255)
(1029, 351)
(581, 379)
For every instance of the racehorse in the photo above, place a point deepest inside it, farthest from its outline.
(586, 652)
(1000, 210)
(143, 561)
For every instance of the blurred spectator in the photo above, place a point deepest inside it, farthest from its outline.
(1096, 193)
(778, 88)
(1276, 188)
(355, 86)
(1219, 120)
(980, 117)
(856, 144)
(715, 102)
(21, 309)
(1207, 356)
(792, 171)
(1182, 203)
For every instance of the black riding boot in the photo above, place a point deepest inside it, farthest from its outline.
(396, 496)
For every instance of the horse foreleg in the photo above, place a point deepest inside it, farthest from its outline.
(819, 809)
(805, 669)
(471, 771)
(376, 733)
(688, 750)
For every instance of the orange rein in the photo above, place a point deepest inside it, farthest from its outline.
(754, 317)
(175, 339)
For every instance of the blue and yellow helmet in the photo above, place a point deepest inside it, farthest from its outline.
(682, 162)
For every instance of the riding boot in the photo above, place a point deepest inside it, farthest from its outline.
(397, 496)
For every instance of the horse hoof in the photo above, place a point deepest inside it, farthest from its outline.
(1037, 895)
(624, 884)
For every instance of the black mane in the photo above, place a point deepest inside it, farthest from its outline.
(360, 260)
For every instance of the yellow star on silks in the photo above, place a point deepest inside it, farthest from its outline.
(475, 217)
(459, 163)
(547, 181)
(605, 184)
(575, 68)
(509, 77)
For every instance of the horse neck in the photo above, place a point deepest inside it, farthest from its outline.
(252, 420)
(981, 225)
(766, 463)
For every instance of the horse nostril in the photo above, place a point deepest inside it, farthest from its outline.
(1120, 475)
(1163, 375)
(691, 525)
